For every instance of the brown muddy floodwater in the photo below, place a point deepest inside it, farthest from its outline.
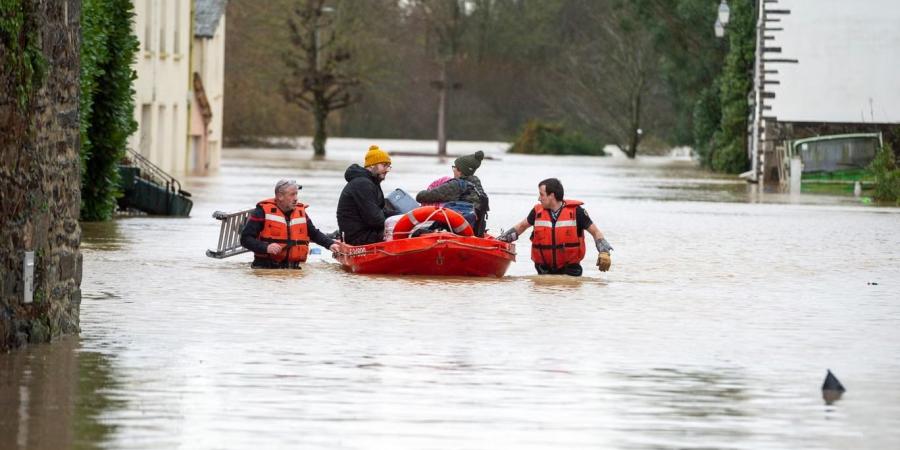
(723, 310)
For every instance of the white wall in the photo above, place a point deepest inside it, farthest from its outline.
(849, 61)
(163, 28)
(209, 62)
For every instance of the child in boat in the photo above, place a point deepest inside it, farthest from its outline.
(462, 193)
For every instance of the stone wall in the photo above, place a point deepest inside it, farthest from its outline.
(40, 180)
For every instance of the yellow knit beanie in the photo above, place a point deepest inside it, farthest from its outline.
(376, 155)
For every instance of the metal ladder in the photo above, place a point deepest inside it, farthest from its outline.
(230, 234)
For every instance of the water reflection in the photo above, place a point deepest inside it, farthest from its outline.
(831, 396)
(558, 284)
(97, 382)
(54, 396)
(668, 407)
(684, 393)
(103, 236)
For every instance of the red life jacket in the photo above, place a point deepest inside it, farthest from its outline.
(556, 244)
(288, 231)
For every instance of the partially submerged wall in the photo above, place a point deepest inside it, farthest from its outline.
(39, 170)
(777, 134)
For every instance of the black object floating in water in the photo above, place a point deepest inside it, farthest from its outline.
(831, 383)
(832, 389)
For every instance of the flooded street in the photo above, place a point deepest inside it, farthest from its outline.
(714, 328)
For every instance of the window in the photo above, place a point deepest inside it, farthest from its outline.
(176, 44)
(148, 25)
(176, 135)
(162, 159)
(195, 153)
(146, 141)
(162, 27)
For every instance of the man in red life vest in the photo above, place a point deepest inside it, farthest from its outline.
(279, 230)
(557, 243)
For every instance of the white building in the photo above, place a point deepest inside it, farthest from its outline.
(833, 61)
(208, 80)
(823, 67)
(164, 89)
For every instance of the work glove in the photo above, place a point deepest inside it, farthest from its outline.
(603, 246)
(509, 235)
(603, 259)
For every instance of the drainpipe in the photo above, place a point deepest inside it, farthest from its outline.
(190, 88)
(757, 87)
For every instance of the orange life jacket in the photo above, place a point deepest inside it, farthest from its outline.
(556, 244)
(288, 231)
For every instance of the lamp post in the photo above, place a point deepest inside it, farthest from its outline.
(724, 13)
(325, 9)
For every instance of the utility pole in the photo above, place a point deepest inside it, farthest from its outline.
(443, 86)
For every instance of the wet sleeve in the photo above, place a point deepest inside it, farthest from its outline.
(316, 235)
(530, 217)
(250, 233)
(582, 219)
(446, 192)
(369, 210)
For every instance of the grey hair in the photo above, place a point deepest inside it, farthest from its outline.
(284, 183)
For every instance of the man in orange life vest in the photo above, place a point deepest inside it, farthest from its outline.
(557, 243)
(279, 230)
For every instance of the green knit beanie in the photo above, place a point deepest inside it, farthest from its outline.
(468, 164)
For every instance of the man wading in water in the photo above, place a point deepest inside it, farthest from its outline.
(278, 231)
(557, 244)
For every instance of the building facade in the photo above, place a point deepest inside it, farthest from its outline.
(208, 82)
(165, 100)
(822, 67)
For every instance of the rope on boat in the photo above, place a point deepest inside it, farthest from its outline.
(417, 222)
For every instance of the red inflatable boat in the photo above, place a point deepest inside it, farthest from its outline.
(440, 253)
(432, 254)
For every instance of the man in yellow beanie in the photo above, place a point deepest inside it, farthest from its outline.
(361, 207)
(377, 156)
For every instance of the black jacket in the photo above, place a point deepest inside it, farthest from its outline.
(360, 209)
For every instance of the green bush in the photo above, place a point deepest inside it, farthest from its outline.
(107, 101)
(887, 176)
(541, 138)
(729, 152)
(707, 116)
(23, 59)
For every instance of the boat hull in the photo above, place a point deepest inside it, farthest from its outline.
(436, 254)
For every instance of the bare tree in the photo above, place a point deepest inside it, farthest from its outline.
(605, 78)
(319, 82)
